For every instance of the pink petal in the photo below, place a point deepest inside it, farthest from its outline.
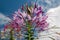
(14, 16)
(24, 14)
(44, 17)
(29, 17)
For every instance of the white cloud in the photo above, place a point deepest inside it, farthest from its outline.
(54, 31)
(4, 19)
(47, 4)
(54, 16)
(53, 11)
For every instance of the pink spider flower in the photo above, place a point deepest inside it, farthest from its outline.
(40, 19)
(13, 25)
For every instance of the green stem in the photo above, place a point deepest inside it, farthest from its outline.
(29, 32)
(29, 36)
(11, 35)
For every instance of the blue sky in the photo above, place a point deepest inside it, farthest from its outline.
(7, 7)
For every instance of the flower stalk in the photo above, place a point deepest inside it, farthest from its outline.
(11, 35)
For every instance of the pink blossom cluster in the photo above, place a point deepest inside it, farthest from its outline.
(33, 14)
